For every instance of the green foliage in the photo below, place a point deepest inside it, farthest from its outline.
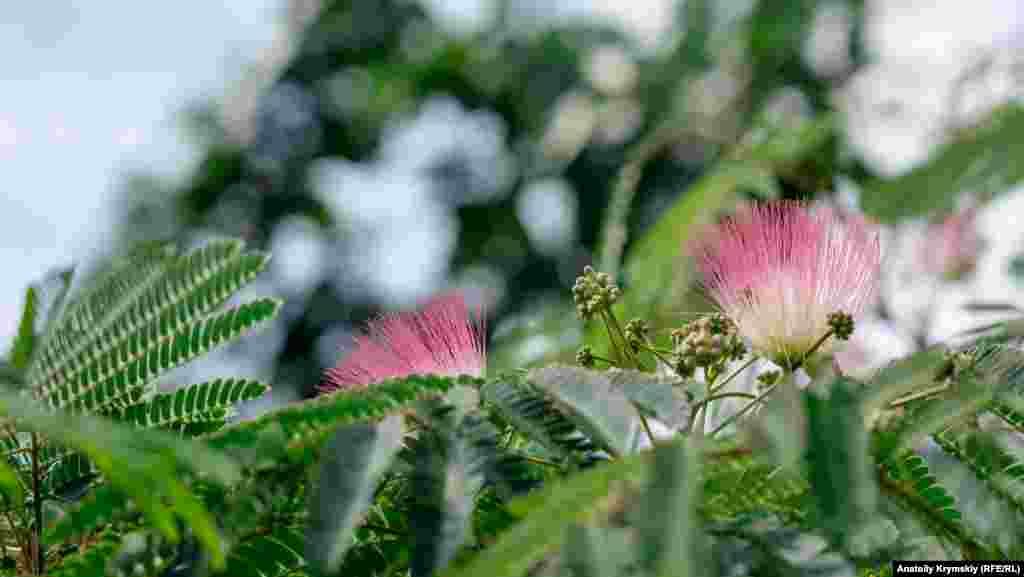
(91, 370)
(666, 523)
(537, 472)
(276, 552)
(307, 422)
(983, 158)
(145, 467)
(588, 400)
(354, 460)
(25, 341)
(536, 414)
(839, 468)
(201, 402)
(547, 515)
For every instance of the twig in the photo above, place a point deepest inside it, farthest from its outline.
(39, 559)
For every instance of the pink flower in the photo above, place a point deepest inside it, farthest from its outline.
(950, 248)
(440, 339)
(780, 269)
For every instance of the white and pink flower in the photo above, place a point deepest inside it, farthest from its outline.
(443, 338)
(950, 248)
(780, 269)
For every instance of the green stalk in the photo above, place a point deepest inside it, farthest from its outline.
(786, 377)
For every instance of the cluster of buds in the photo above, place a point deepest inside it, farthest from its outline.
(585, 356)
(636, 332)
(841, 325)
(593, 293)
(710, 341)
(956, 365)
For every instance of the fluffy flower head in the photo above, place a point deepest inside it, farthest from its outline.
(779, 270)
(441, 339)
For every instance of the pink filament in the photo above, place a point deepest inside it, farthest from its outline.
(779, 269)
(440, 339)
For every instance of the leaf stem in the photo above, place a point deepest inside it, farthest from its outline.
(918, 395)
(746, 408)
(647, 428)
(38, 554)
(733, 375)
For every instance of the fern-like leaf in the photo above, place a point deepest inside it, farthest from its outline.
(145, 465)
(138, 362)
(268, 552)
(908, 479)
(200, 402)
(25, 339)
(535, 413)
(193, 286)
(86, 316)
(306, 423)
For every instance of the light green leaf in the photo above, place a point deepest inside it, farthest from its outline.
(590, 401)
(985, 159)
(666, 515)
(652, 393)
(838, 462)
(25, 340)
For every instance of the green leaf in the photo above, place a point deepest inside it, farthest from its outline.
(268, 552)
(180, 294)
(85, 316)
(353, 462)
(838, 461)
(95, 510)
(589, 400)
(306, 423)
(447, 474)
(535, 414)
(145, 465)
(193, 403)
(25, 340)
(778, 31)
(546, 515)
(90, 562)
(658, 397)
(984, 159)
(666, 515)
(592, 552)
(10, 484)
(902, 377)
(140, 362)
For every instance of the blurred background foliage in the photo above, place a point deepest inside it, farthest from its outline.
(514, 155)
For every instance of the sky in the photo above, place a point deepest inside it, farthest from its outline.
(88, 93)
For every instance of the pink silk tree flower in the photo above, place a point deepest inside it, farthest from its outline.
(779, 270)
(441, 339)
(950, 248)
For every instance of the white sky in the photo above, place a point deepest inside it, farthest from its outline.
(86, 93)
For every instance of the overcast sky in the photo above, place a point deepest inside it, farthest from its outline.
(88, 92)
